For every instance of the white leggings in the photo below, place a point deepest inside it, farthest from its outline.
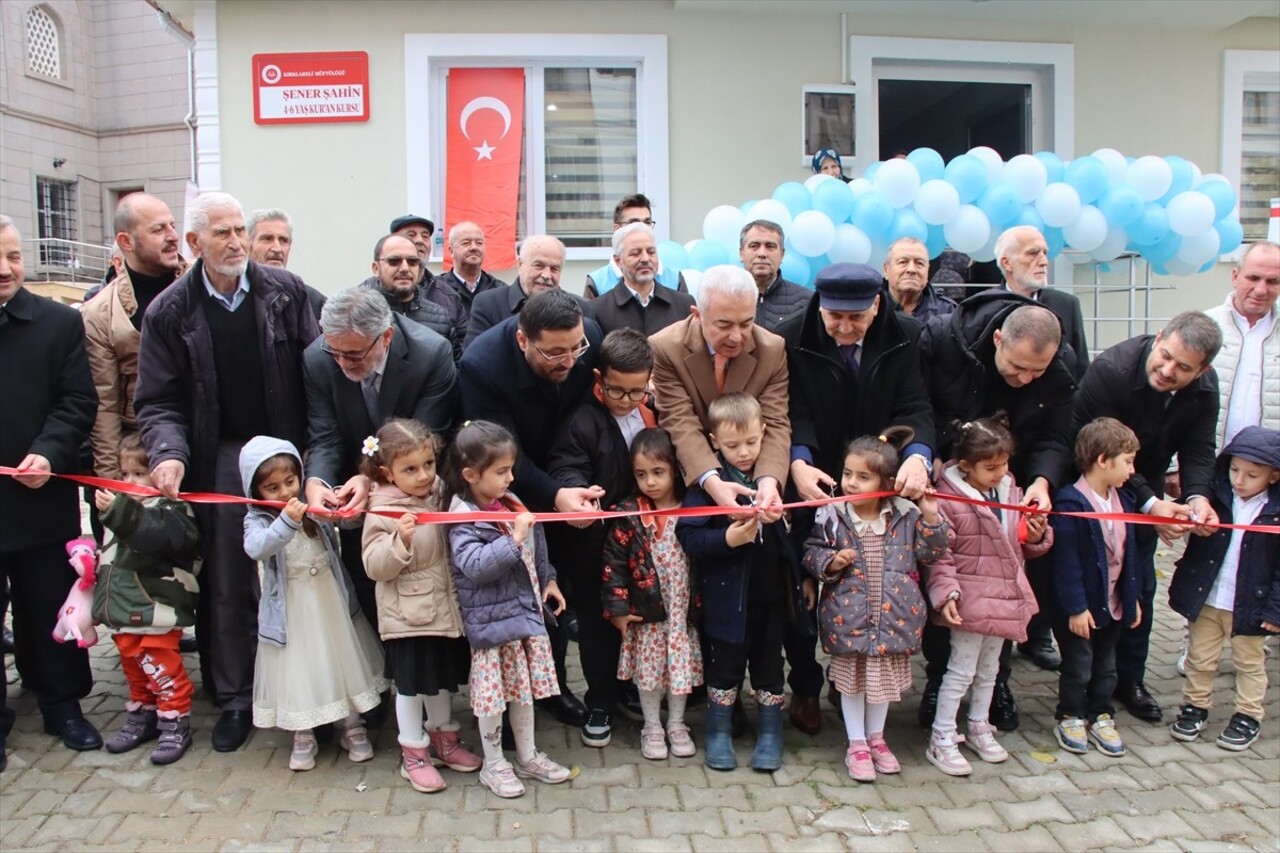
(975, 659)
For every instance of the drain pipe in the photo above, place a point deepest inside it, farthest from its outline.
(177, 31)
(844, 48)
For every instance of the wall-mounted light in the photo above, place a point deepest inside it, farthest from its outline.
(59, 162)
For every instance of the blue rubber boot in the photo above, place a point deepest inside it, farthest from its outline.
(719, 737)
(768, 754)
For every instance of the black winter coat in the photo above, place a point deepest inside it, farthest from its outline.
(617, 308)
(490, 308)
(781, 301)
(424, 312)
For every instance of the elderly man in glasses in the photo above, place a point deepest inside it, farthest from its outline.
(396, 271)
(539, 262)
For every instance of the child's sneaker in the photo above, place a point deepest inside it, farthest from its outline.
(944, 754)
(500, 778)
(680, 740)
(981, 740)
(139, 727)
(303, 756)
(355, 740)
(1190, 723)
(1105, 737)
(653, 743)
(175, 740)
(543, 769)
(1071, 736)
(857, 760)
(1240, 733)
(881, 756)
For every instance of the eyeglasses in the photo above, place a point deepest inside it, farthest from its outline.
(395, 261)
(648, 222)
(571, 355)
(349, 356)
(635, 395)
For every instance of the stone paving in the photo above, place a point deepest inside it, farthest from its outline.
(1164, 795)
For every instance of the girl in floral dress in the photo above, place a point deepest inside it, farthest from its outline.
(648, 597)
(506, 590)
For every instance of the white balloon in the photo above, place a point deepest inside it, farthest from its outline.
(1190, 213)
(1150, 176)
(1116, 165)
(1112, 246)
(937, 201)
(812, 233)
(1027, 175)
(1200, 248)
(898, 180)
(987, 253)
(850, 245)
(1177, 266)
(1058, 204)
(692, 278)
(858, 186)
(968, 230)
(1088, 230)
(811, 183)
(770, 210)
(991, 159)
(723, 224)
(688, 247)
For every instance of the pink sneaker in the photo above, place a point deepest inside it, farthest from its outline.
(944, 753)
(881, 756)
(982, 741)
(857, 760)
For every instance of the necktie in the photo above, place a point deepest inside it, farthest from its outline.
(370, 394)
(850, 356)
(722, 367)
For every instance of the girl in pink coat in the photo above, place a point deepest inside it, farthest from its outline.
(983, 596)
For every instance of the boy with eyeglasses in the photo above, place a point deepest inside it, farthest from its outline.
(595, 449)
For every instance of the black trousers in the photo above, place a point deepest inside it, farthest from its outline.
(727, 664)
(227, 613)
(1135, 643)
(577, 555)
(1088, 675)
(800, 645)
(36, 581)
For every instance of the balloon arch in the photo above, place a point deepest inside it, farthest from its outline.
(1101, 205)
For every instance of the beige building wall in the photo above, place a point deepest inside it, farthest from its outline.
(735, 81)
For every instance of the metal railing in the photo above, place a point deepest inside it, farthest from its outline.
(50, 259)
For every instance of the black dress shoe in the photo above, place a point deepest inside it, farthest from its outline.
(76, 732)
(1004, 710)
(1042, 653)
(566, 708)
(232, 730)
(1139, 702)
(928, 704)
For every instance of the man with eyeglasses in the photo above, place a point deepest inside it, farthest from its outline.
(540, 260)
(367, 366)
(641, 303)
(419, 231)
(529, 373)
(396, 268)
(631, 210)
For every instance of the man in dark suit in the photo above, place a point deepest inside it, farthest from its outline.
(368, 365)
(49, 405)
(641, 302)
(541, 260)
(467, 277)
(1023, 257)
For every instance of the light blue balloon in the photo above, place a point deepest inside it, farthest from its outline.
(709, 254)
(794, 195)
(872, 213)
(870, 172)
(1230, 235)
(1208, 265)
(1054, 239)
(816, 265)
(672, 255)
(796, 268)
(1159, 269)
(834, 199)
(1052, 164)
(1183, 175)
(999, 201)
(1088, 175)
(1105, 267)
(1150, 226)
(1221, 194)
(968, 175)
(1121, 205)
(928, 163)
(1030, 216)
(746, 206)
(907, 223)
(936, 242)
(1164, 249)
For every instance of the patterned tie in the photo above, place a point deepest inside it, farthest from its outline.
(370, 394)
(849, 354)
(722, 367)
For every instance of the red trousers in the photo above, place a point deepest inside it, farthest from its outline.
(153, 667)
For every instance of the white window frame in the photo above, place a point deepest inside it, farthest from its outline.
(426, 57)
(1242, 71)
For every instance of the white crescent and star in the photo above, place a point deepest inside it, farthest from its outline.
(485, 151)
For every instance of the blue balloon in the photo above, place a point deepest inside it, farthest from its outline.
(1230, 235)
(1164, 249)
(672, 255)
(816, 265)
(746, 206)
(1159, 269)
(1221, 194)
(928, 163)
(936, 242)
(968, 175)
(1054, 239)
(1121, 205)
(1208, 265)
(999, 201)
(1030, 216)
(794, 195)
(796, 268)
(1052, 164)
(873, 213)
(1150, 226)
(907, 223)
(709, 254)
(1183, 174)
(1089, 177)
(870, 172)
(834, 199)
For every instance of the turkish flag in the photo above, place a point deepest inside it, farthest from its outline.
(484, 146)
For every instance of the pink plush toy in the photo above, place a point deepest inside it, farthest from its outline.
(75, 620)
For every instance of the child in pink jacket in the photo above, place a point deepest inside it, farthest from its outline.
(983, 596)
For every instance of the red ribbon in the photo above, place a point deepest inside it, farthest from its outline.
(604, 515)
